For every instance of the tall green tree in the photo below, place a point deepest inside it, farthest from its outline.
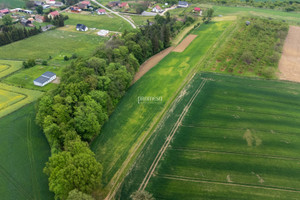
(7, 20)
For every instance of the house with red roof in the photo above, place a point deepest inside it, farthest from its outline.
(196, 9)
(124, 5)
(53, 14)
(84, 4)
(75, 9)
(101, 11)
(4, 11)
(157, 9)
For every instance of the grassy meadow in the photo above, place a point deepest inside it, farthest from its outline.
(239, 139)
(8, 66)
(252, 50)
(13, 3)
(51, 43)
(23, 153)
(131, 121)
(111, 22)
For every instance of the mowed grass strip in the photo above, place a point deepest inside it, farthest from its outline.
(9, 66)
(23, 153)
(131, 120)
(235, 149)
(13, 98)
(51, 43)
(111, 23)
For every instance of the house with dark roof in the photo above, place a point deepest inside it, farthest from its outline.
(44, 79)
(26, 22)
(182, 4)
(81, 27)
(113, 3)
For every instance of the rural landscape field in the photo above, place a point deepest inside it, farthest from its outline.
(145, 100)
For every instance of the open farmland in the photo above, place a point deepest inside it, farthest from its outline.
(13, 98)
(129, 124)
(224, 137)
(252, 50)
(111, 22)
(51, 43)
(23, 153)
(8, 66)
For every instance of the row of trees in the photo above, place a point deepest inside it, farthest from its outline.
(90, 89)
(286, 5)
(12, 33)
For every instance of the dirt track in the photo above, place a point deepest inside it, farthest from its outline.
(289, 64)
(185, 43)
(151, 62)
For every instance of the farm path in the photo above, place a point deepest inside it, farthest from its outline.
(130, 22)
(289, 65)
(151, 62)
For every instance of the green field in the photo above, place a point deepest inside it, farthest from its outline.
(290, 17)
(130, 121)
(239, 139)
(25, 77)
(13, 98)
(8, 66)
(23, 153)
(111, 23)
(13, 3)
(51, 43)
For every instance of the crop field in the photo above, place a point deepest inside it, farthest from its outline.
(111, 23)
(226, 137)
(13, 98)
(53, 43)
(23, 153)
(25, 77)
(290, 17)
(13, 3)
(131, 120)
(7, 67)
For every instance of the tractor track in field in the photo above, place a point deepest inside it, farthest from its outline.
(169, 138)
(15, 183)
(235, 153)
(34, 180)
(195, 180)
(235, 128)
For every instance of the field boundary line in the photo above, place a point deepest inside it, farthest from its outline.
(249, 112)
(235, 153)
(169, 138)
(234, 128)
(189, 179)
(15, 183)
(8, 67)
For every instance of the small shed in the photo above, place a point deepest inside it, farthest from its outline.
(44, 79)
(248, 23)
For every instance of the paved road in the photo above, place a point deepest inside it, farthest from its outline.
(132, 24)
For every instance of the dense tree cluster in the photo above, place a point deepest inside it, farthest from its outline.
(12, 33)
(286, 5)
(90, 89)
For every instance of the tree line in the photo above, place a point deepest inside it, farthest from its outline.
(90, 88)
(12, 33)
(286, 5)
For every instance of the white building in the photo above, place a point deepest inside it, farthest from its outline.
(44, 79)
(81, 27)
(183, 4)
(103, 33)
